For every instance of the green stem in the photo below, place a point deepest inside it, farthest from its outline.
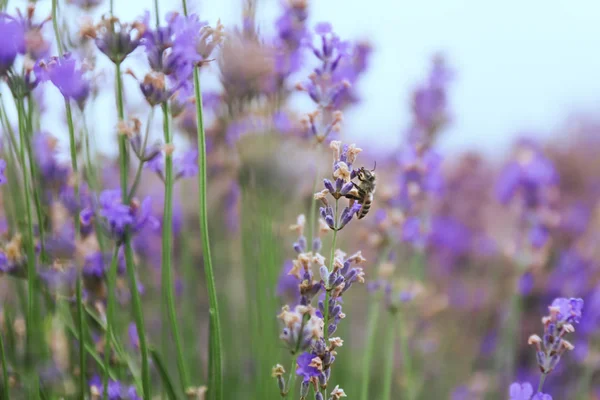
(139, 319)
(407, 361)
(372, 324)
(135, 294)
(123, 153)
(185, 9)
(82, 352)
(110, 310)
(156, 13)
(541, 384)
(331, 256)
(73, 149)
(291, 381)
(328, 291)
(215, 370)
(5, 387)
(138, 172)
(34, 175)
(312, 216)
(32, 319)
(388, 367)
(167, 268)
(55, 26)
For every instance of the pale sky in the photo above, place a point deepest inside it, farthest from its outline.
(521, 66)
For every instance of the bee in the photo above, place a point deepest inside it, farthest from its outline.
(364, 190)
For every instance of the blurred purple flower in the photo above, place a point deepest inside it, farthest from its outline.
(304, 367)
(117, 218)
(567, 310)
(68, 77)
(527, 177)
(13, 41)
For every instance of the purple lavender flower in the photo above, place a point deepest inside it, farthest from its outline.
(44, 149)
(520, 391)
(68, 77)
(184, 166)
(568, 311)
(550, 348)
(430, 103)
(193, 44)
(420, 176)
(307, 368)
(158, 43)
(154, 88)
(115, 391)
(343, 158)
(118, 218)
(13, 41)
(528, 177)
(116, 39)
(291, 33)
(2, 169)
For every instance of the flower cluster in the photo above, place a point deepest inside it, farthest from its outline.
(68, 77)
(117, 218)
(524, 391)
(530, 182)
(563, 314)
(343, 158)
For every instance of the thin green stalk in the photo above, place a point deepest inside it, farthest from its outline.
(541, 384)
(312, 216)
(291, 381)
(5, 387)
(83, 387)
(328, 292)
(139, 320)
(167, 268)
(185, 9)
(31, 270)
(138, 172)
(372, 324)
(388, 367)
(135, 294)
(111, 283)
(33, 171)
(215, 388)
(331, 256)
(406, 358)
(157, 14)
(123, 153)
(55, 26)
(164, 374)
(73, 150)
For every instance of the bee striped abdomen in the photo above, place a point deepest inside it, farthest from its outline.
(366, 205)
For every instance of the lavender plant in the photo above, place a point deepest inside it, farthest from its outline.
(104, 236)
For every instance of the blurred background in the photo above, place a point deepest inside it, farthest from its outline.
(480, 121)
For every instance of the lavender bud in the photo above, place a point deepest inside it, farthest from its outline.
(324, 273)
(316, 245)
(345, 268)
(322, 381)
(304, 389)
(332, 328)
(321, 307)
(318, 396)
(332, 278)
(553, 361)
(281, 384)
(338, 281)
(298, 248)
(346, 188)
(339, 183)
(328, 185)
(335, 311)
